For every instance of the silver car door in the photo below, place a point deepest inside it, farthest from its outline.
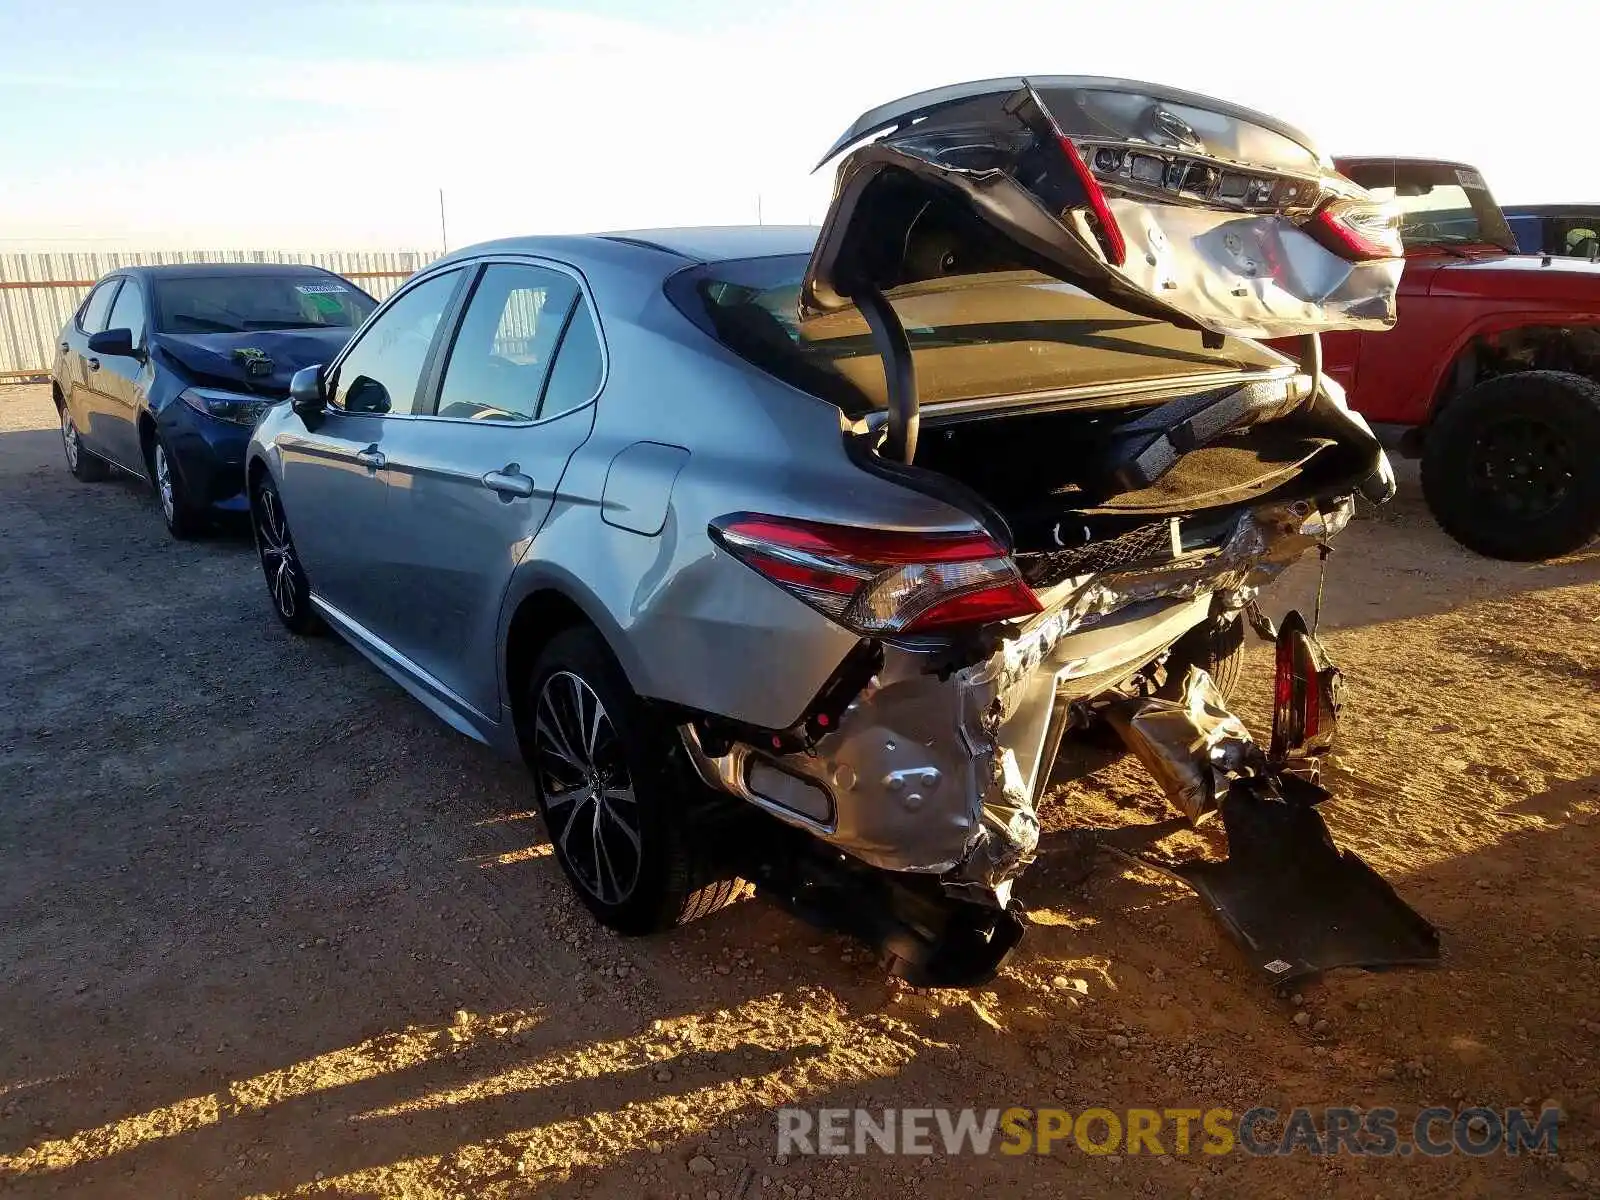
(334, 477)
(471, 484)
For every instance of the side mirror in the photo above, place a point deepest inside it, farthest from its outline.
(115, 343)
(306, 393)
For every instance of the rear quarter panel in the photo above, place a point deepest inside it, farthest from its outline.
(690, 624)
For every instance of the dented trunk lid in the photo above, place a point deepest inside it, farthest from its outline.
(1167, 204)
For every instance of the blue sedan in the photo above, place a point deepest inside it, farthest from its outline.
(163, 371)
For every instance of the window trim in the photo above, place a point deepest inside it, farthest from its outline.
(435, 377)
(131, 281)
(114, 282)
(447, 316)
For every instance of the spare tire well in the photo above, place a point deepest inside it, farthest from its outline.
(1574, 349)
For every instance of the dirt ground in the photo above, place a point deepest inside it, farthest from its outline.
(269, 929)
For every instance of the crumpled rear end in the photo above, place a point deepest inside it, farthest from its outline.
(936, 766)
(1165, 203)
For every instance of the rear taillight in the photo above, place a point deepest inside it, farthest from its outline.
(881, 582)
(1106, 228)
(1357, 230)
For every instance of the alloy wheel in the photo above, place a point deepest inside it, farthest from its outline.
(589, 801)
(278, 561)
(1523, 467)
(69, 439)
(164, 482)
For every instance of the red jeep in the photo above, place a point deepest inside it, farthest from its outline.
(1492, 368)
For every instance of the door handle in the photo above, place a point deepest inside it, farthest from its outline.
(372, 457)
(510, 482)
(66, 346)
(94, 364)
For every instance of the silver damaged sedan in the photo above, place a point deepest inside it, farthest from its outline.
(789, 554)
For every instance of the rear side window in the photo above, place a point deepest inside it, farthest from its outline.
(383, 368)
(501, 361)
(98, 306)
(972, 336)
(575, 378)
(128, 312)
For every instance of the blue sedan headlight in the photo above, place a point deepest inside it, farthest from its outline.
(235, 407)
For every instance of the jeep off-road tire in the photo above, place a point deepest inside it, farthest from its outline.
(613, 797)
(1509, 468)
(1218, 650)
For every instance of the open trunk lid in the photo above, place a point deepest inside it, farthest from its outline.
(1164, 203)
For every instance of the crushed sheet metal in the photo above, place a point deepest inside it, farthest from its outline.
(1213, 205)
(1250, 275)
(1262, 544)
(933, 775)
(1193, 746)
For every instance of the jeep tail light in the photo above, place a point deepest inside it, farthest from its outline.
(880, 582)
(1357, 230)
(1106, 228)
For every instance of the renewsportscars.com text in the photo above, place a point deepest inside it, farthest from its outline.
(1377, 1132)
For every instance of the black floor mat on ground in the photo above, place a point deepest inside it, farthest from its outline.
(1296, 902)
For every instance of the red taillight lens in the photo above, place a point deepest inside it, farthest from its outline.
(1108, 229)
(880, 582)
(1357, 230)
(1109, 232)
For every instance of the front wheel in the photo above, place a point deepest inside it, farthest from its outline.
(280, 564)
(184, 520)
(612, 801)
(1508, 469)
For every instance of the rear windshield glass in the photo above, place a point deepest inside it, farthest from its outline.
(997, 334)
(245, 302)
(1439, 204)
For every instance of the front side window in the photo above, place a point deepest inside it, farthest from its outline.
(128, 312)
(247, 302)
(98, 306)
(500, 363)
(383, 368)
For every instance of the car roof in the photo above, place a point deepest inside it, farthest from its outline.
(1340, 160)
(217, 269)
(673, 248)
(1551, 210)
(715, 243)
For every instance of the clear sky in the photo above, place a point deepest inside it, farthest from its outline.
(304, 124)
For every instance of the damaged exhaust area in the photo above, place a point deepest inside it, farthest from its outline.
(935, 767)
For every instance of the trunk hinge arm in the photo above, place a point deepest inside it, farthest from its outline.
(899, 373)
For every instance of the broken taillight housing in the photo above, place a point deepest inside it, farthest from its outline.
(881, 582)
(1357, 230)
(1105, 225)
(1307, 694)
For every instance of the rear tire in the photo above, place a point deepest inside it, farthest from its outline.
(611, 793)
(1508, 469)
(85, 466)
(1217, 650)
